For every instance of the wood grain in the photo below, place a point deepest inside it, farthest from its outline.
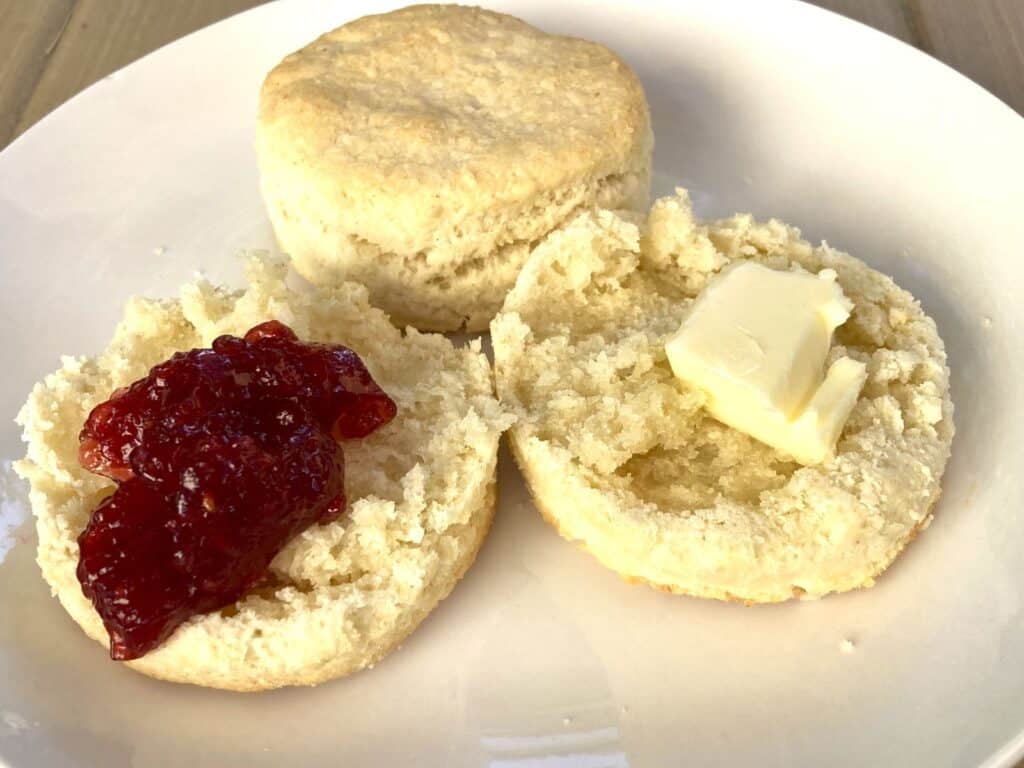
(28, 34)
(102, 36)
(983, 39)
(889, 16)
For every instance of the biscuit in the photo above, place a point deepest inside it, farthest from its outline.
(423, 152)
(621, 457)
(340, 596)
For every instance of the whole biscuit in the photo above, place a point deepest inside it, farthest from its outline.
(622, 458)
(422, 152)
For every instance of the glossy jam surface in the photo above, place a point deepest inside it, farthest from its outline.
(221, 455)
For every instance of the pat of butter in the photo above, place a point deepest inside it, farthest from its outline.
(755, 341)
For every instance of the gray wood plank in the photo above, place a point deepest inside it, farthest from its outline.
(104, 35)
(983, 39)
(29, 32)
(889, 16)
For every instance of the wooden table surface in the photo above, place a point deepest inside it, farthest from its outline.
(52, 49)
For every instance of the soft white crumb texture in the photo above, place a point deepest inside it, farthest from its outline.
(423, 152)
(622, 458)
(421, 490)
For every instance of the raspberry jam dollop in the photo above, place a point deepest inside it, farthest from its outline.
(221, 456)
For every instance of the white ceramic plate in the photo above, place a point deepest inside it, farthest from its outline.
(541, 657)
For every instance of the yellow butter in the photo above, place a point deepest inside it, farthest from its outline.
(755, 341)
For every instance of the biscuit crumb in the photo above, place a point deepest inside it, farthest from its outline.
(160, 250)
(619, 454)
(846, 645)
(567, 721)
(986, 322)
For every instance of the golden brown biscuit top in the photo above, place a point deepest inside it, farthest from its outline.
(452, 108)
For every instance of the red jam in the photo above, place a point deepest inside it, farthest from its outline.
(221, 455)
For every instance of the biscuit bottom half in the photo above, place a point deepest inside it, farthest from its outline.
(623, 459)
(339, 596)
